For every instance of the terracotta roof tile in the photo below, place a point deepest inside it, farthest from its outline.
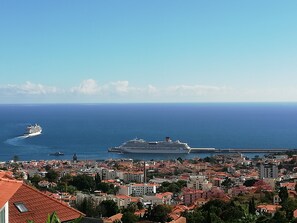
(6, 174)
(39, 206)
(8, 189)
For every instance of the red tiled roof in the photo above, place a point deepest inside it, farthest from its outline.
(271, 208)
(6, 174)
(7, 189)
(113, 218)
(39, 206)
(122, 196)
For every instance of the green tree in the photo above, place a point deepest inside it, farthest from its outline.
(294, 220)
(97, 180)
(108, 208)
(232, 212)
(289, 206)
(87, 207)
(129, 217)
(139, 205)
(35, 179)
(248, 218)
(53, 218)
(250, 183)
(279, 217)
(264, 219)
(227, 183)
(51, 175)
(83, 182)
(174, 188)
(252, 206)
(181, 183)
(66, 178)
(194, 217)
(132, 207)
(283, 194)
(160, 213)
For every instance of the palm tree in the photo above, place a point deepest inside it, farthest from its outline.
(53, 218)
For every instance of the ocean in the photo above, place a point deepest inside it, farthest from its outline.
(90, 129)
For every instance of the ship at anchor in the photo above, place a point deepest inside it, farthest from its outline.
(158, 147)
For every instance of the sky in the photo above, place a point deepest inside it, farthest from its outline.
(117, 51)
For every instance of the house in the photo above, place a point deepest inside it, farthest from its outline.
(7, 190)
(191, 195)
(288, 185)
(20, 202)
(111, 219)
(268, 208)
(138, 189)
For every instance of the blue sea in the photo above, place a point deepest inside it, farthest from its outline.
(90, 129)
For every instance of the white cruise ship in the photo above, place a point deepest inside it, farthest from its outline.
(158, 147)
(33, 130)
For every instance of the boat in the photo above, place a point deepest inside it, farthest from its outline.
(33, 130)
(57, 154)
(157, 147)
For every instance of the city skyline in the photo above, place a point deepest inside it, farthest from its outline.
(147, 51)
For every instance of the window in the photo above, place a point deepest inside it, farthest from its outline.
(21, 207)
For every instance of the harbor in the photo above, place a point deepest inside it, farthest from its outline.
(240, 150)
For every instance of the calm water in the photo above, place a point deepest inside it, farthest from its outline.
(89, 130)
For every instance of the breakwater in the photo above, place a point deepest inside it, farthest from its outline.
(214, 150)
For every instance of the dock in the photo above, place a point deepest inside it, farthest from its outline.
(203, 150)
(252, 150)
(259, 150)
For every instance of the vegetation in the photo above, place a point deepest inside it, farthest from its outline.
(227, 183)
(217, 211)
(129, 217)
(83, 183)
(104, 209)
(108, 208)
(174, 187)
(51, 175)
(53, 218)
(159, 213)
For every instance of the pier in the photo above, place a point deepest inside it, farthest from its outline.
(214, 150)
(252, 150)
(203, 150)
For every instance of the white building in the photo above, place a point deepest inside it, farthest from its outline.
(199, 183)
(107, 174)
(138, 189)
(137, 177)
(268, 171)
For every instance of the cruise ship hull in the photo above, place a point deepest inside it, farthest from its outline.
(32, 134)
(148, 151)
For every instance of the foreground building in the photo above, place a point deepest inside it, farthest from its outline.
(20, 202)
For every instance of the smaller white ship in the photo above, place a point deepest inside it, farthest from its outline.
(33, 130)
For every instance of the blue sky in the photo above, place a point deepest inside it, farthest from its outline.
(148, 51)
